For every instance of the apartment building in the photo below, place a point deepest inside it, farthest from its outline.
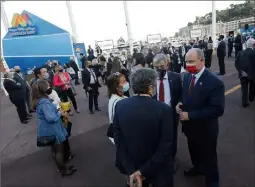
(221, 28)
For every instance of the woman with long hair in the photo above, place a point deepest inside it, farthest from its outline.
(62, 80)
(72, 74)
(50, 125)
(117, 86)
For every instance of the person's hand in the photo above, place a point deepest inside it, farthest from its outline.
(178, 108)
(244, 74)
(89, 88)
(136, 179)
(184, 116)
(64, 114)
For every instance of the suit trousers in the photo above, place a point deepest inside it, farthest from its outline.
(175, 138)
(203, 155)
(21, 109)
(64, 94)
(222, 65)
(76, 77)
(248, 90)
(93, 97)
(208, 59)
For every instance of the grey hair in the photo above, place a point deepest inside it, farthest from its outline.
(250, 43)
(142, 79)
(158, 58)
(8, 75)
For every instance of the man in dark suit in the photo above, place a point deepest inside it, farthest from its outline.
(143, 134)
(91, 86)
(75, 67)
(17, 96)
(83, 60)
(244, 63)
(203, 102)
(221, 53)
(90, 51)
(19, 77)
(169, 91)
(230, 45)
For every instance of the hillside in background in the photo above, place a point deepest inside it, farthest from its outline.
(234, 12)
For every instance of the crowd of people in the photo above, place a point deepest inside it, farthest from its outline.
(148, 97)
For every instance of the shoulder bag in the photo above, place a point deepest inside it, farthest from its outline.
(110, 130)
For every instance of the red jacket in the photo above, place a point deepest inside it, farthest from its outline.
(57, 81)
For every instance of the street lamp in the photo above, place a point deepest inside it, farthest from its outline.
(4, 17)
(130, 40)
(214, 24)
(72, 22)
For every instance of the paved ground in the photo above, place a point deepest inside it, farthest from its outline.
(24, 165)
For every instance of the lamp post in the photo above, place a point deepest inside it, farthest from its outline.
(214, 24)
(130, 40)
(72, 22)
(4, 17)
(6, 26)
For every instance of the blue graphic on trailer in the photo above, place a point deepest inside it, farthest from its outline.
(48, 43)
(79, 48)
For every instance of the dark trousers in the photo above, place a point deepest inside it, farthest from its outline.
(64, 94)
(222, 65)
(93, 97)
(230, 49)
(203, 155)
(76, 78)
(28, 101)
(208, 58)
(248, 90)
(175, 139)
(237, 50)
(21, 109)
(163, 179)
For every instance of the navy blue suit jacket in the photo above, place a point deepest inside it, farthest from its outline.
(143, 135)
(204, 104)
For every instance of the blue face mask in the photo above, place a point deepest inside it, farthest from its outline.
(125, 87)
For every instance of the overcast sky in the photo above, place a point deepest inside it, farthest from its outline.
(101, 20)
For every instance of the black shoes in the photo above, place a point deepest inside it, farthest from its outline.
(192, 172)
(70, 170)
(92, 112)
(246, 105)
(24, 122)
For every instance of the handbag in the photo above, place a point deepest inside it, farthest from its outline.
(110, 130)
(73, 76)
(43, 141)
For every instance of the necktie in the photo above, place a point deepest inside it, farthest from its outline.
(192, 83)
(93, 75)
(161, 91)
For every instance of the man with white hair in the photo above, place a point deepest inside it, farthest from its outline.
(203, 102)
(169, 91)
(17, 96)
(19, 77)
(245, 63)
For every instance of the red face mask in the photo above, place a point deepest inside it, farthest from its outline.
(191, 69)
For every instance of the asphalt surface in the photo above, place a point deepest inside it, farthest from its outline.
(25, 165)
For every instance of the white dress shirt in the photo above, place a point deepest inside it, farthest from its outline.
(92, 75)
(198, 75)
(167, 93)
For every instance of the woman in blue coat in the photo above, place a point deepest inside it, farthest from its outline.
(50, 124)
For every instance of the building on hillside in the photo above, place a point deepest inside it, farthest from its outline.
(221, 28)
(234, 25)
